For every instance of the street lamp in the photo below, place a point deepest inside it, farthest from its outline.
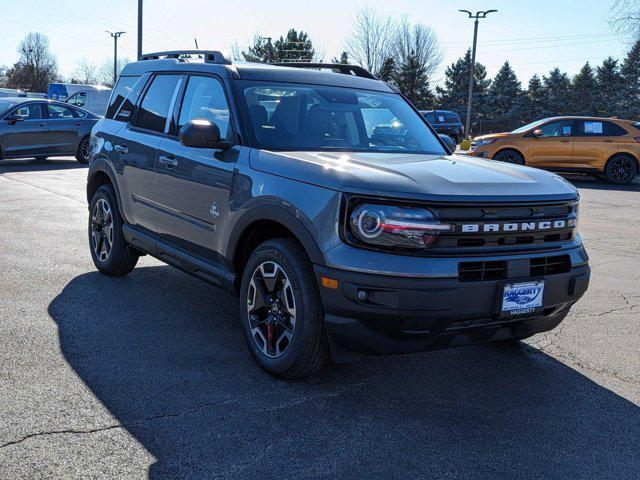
(115, 36)
(472, 69)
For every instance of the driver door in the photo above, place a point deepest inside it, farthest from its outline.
(553, 148)
(27, 131)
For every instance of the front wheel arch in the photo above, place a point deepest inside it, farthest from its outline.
(510, 149)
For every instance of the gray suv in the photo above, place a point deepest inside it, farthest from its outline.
(282, 185)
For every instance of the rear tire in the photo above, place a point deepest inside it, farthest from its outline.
(281, 312)
(110, 252)
(621, 169)
(510, 156)
(82, 155)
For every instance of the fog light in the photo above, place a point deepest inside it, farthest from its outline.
(361, 295)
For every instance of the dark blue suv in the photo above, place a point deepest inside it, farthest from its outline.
(284, 185)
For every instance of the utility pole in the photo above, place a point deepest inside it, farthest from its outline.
(115, 36)
(139, 29)
(472, 67)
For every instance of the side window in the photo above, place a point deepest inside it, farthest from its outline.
(592, 128)
(32, 111)
(613, 130)
(79, 99)
(79, 113)
(59, 111)
(431, 118)
(204, 98)
(121, 91)
(154, 109)
(562, 128)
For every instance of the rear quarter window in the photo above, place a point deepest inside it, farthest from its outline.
(121, 92)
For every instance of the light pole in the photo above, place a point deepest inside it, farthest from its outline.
(472, 67)
(115, 36)
(139, 29)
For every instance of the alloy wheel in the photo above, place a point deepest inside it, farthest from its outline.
(622, 169)
(271, 309)
(85, 149)
(102, 230)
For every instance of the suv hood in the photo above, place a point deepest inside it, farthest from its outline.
(416, 176)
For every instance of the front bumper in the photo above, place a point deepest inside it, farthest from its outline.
(405, 315)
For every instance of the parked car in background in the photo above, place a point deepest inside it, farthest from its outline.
(445, 122)
(36, 95)
(44, 128)
(606, 147)
(92, 100)
(10, 92)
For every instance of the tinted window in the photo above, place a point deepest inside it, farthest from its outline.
(79, 113)
(156, 103)
(312, 117)
(5, 105)
(562, 128)
(596, 128)
(451, 117)
(120, 92)
(430, 117)
(29, 112)
(59, 111)
(79, 99)
(128, 106)
(204, 98)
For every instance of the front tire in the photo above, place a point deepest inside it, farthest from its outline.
(84, 149)
(510, 156)
(110, 252)
(281, 312)
(621, 170)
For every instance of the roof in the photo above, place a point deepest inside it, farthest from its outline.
(256, 71)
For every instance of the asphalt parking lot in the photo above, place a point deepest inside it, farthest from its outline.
(148, 375)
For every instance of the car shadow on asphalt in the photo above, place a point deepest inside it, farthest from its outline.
(166, 356)
(31, 165)
(588, 182)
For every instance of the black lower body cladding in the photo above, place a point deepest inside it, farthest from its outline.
(380, 315)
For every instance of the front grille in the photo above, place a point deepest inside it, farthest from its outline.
(503, 269)
(503, 227)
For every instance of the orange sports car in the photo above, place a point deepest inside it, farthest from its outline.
(597, 146)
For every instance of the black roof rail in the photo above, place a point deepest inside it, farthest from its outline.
(210, 56)
(355, 70)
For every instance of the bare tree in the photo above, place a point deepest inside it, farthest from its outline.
(625, 17)
(369, 43)
(36, 66)
(418, 42)
(104, 74)
(86, 72)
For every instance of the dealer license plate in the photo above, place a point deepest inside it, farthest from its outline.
(523, 297)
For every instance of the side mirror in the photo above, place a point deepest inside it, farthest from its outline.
(13, 119)
(537, 133)
(200, 133)
(448, 141)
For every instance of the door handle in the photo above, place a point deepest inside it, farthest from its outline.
(77, 123)
(121, 149)
(608, 141)
(42, 124)
(565, 141)
(168, 161)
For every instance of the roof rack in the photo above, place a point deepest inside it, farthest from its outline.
(210, 56)
(343, 68)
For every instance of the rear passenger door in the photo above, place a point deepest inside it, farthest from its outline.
(135, 149)
(63, 129)
(193, 185)
(596, 141)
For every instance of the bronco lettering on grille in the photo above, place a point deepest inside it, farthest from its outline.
(517, 226)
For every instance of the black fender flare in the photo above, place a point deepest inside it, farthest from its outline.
(101, 165)
(277, 214)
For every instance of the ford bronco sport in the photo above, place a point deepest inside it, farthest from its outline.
(274, 183)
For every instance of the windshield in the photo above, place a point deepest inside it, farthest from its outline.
(529, 126)
(313, 117)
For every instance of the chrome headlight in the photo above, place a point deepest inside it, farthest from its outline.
(481, 143)
(395, 226)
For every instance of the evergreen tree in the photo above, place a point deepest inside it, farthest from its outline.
(388, 71)
(344, 59)
(454, 94)
(630, 70)
(413, 82)
(583, 92)
(533, 101)
(504, 100)
(557, 89)
(295, 47)
(609, 91)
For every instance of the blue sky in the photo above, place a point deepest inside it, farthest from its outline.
(534, 35)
